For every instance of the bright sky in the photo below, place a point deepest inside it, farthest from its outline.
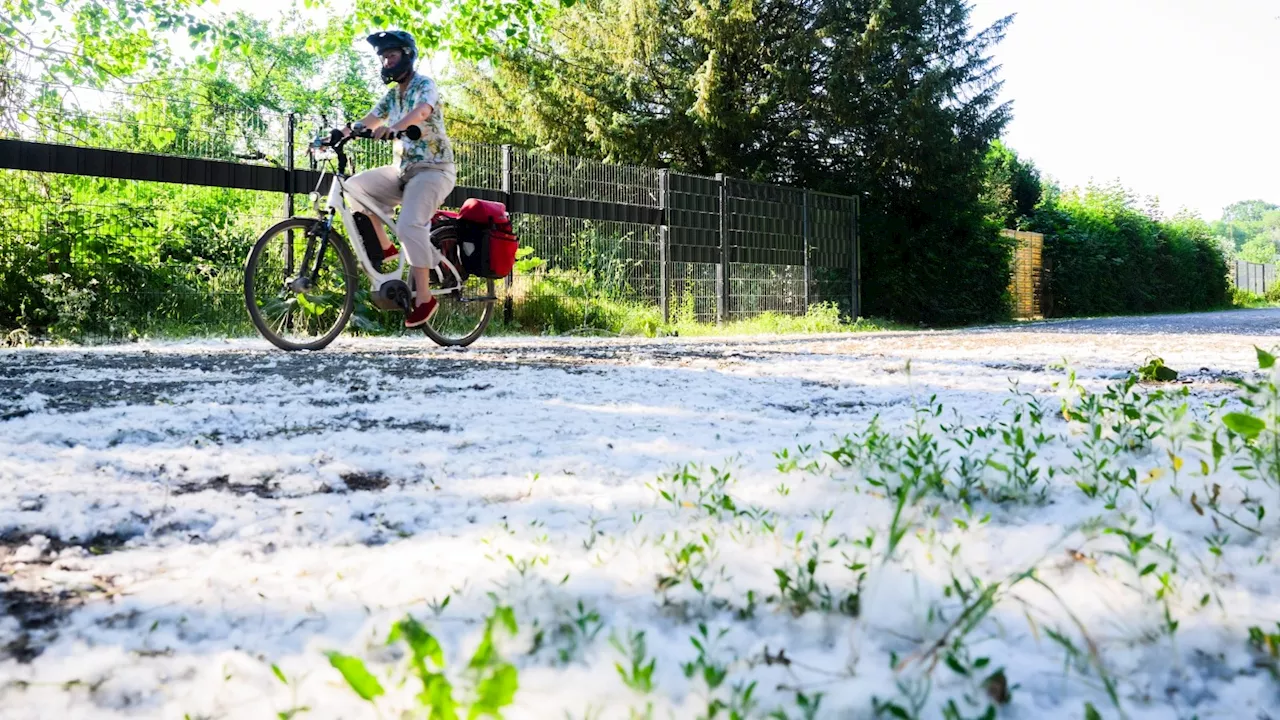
(1174, 98)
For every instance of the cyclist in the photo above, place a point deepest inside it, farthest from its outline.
(423, 172)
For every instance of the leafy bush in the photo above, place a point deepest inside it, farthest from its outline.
(1109, 256)
(90, 257)
(1245, 298)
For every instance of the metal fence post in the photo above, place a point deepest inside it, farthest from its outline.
(722, 271)
(507, 179)
(804, 235)
(855, 307)
(508, 305)
(288, 164)
(664, 253)
(290, 126)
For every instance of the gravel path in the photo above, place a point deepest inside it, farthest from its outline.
(1262, 322)
(175, 518)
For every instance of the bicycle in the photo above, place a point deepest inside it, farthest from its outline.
(306, 305)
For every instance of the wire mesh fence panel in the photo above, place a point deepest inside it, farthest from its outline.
(585, 273)
(691, 289)
(832, 227)
(833, 222)
(479, 165)
(766, 223)
(834, 286)
(103, 256)
(1254, 277)
(136, 121)
(538, 173)
(766, 243)
(758, 288)
(693, 218)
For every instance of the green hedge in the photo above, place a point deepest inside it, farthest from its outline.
(92, 257)
(1106, 255)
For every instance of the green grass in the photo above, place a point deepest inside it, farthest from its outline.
(1102, 468)
(559, 315)
(560, 303)
(563, 304)
(1251, 300)
(821, 318)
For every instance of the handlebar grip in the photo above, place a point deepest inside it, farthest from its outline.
(413, 132)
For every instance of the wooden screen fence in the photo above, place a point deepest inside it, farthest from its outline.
(1026, 281)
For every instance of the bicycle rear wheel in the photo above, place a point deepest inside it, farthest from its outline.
(299, 301)
(464, 313)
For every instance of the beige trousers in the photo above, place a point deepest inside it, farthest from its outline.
(422, 195)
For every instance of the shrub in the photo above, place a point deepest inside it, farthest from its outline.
(1108, 256)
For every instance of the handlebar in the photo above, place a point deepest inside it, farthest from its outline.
(337, 138)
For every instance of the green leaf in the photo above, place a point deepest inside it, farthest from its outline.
(896, 711)
(507, 617)
(955, 665)
(307, 305)
(1244, 424)
(276, 669)
(1091, 713)
(423, 644)
(1265, 359)
(354, 672)
(496, 691)
(437, 693)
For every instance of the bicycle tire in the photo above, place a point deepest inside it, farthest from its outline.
(253, 265)
(451, 300)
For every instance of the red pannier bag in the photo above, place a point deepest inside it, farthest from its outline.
(486, 241)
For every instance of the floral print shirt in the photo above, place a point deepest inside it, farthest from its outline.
(434, 146)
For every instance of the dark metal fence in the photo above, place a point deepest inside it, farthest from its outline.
(1254, 277)
(608, 237)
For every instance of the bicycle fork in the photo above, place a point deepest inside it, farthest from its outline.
(315, 246)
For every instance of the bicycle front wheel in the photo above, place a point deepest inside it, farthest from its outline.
(300, 288)
(464, 313)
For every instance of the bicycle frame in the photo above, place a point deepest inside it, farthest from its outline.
(337, 203)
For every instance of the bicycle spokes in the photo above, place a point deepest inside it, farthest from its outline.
(298, 287)
(463, 313)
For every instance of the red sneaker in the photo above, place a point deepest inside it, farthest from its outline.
(422, 313)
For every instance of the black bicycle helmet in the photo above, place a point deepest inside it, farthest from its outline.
(395, 40)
